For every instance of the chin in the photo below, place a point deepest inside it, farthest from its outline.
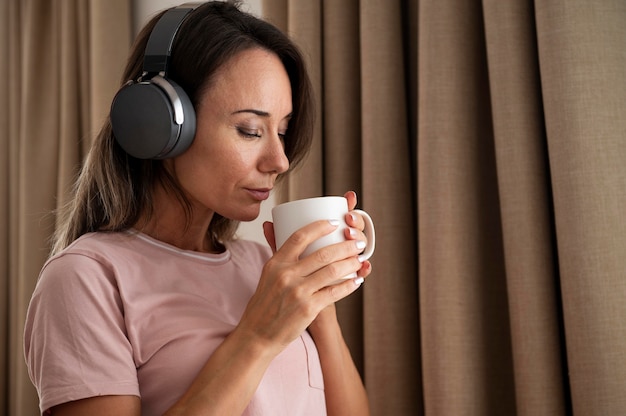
(246, 219)
(246, 215)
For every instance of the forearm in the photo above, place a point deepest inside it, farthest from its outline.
(343, 387)
(228, 380)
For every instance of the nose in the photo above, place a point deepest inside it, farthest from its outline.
(275, 160)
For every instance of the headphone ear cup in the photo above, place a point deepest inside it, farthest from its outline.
(143, 119)
(188, 127)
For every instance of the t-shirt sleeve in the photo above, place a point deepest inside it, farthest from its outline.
(75, 340)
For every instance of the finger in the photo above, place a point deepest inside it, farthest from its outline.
(355, 220)
(331, 263)
(332, 294)
(297, 242)
(351, 197)
(366, 269)
(270, 237)
(354, 234)
(334, 273)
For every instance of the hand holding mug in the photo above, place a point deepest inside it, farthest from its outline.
(292, 216)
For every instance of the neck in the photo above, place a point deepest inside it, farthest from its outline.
(169, 223)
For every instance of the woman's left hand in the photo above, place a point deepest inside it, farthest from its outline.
(356, 224)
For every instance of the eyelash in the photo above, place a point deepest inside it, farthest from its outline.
(250, 135)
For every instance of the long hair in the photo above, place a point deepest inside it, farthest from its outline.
(115, 190)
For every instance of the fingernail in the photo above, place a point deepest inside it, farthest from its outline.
(360, 244)
(361, 258)
(353, 232)
(352, 217)
(358, 281)
(334, 223)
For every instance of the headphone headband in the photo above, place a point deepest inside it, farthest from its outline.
(159, 47)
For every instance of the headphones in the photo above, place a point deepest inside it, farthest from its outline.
(153, 118)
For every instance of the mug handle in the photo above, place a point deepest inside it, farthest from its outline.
(370, 233)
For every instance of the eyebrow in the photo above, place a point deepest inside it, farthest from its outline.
(253, 111)
(258, 112)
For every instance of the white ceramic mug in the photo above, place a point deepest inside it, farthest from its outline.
(291, 216)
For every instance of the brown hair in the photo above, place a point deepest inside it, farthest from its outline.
(114, 190)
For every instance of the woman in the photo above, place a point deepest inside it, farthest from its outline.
(149, 305)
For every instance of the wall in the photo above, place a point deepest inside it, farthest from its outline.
(142, 11)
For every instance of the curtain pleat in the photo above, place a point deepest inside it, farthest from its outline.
(390, 295)
(463, 292)
(9, 79)
(582, 55)
(65, 63)
(525, 196)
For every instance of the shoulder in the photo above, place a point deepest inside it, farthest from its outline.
(90, 258)
(97, 244)
(101, 244)
(106, 248)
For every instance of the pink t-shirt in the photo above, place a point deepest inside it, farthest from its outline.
(125, 314)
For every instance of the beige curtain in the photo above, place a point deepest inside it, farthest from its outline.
(488, 141)
(62, 64)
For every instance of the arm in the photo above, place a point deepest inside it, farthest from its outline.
(344, 390)
(230, 377)
(223, 387)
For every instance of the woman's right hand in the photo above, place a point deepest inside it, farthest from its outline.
(292, 291)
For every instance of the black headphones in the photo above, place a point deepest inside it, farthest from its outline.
(153, 118)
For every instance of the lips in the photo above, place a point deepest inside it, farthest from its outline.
(260, 194)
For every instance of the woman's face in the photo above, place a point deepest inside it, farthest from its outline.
(238, 151)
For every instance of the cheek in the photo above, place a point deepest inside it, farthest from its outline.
(213, 166)
(194, 165)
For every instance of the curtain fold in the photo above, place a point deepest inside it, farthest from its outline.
(530, 251)
(463, 300)
(582, 55)
(65, 62)
(9, 78)
(495, 130)
(390, 296)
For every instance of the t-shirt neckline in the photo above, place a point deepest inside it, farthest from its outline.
(207, 257)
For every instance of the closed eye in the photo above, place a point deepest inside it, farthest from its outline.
(248, 133)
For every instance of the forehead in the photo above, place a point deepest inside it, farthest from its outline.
(251, 75)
